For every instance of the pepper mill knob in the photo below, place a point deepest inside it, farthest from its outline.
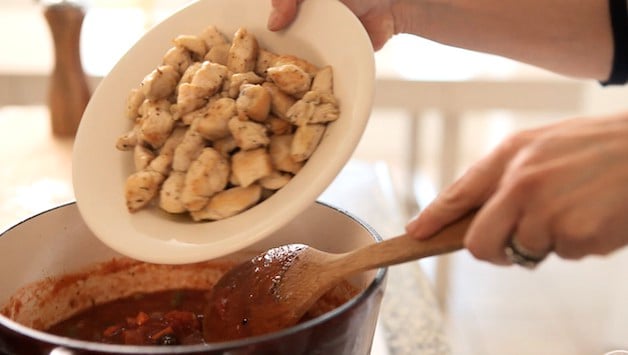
(68, 91)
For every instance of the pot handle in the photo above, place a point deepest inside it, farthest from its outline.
(61, 351)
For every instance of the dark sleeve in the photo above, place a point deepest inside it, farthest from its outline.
(619, 23)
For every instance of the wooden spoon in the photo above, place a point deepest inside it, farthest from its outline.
(276, 288)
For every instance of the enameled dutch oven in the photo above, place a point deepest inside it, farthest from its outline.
(37, 252)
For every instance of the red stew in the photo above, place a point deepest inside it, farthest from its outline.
(172, 317)
(161, 318)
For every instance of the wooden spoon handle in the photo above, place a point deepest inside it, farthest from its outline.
(403, 248)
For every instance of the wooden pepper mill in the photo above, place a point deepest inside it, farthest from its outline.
(68, 91)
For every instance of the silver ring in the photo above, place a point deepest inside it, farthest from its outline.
(519, 255)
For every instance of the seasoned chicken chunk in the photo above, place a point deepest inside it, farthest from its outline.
(314, 107)
(308, 67)
(305, 141)
(142, 156)
(238, 79)
(219, 54)
(253, 102)
(248, 134)
(162, 163)
(325, 112)
(207, 175)
(265, 60)
(225, 146)
(189, 98)
(302, 111)
(290, 78)
(213, 37)
(212, 120)
(210, 76)
(133, 102)
(205, 82)
(179, 58)
(140, 188)
(188, 150)
(170, 193)
(278, 126)
(249, 166)
(280, 102)
(229, 203)
(280, 150)
(129, 140)
(275, 181)
(157, 123)
(160, 83)
(189, 72)
(243, 52)
(194, 44)
(323, 80)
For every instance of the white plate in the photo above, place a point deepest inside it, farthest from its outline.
(325, 32)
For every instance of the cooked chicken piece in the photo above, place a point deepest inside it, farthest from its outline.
(190, 117)
(265, 60)
(143, 109)
(314, 107)
(140, 188)
(142, 156)
(210, 76)
(229, 203)
(189, 98)
(178, 58)
(188, 150)
(194, 44)
(225, 146)
(157, 123)
(308, 67)
(233, 180)
(325, 112)
(129, 140)
(176, 137)
(192, 202)
(248, 134)
(160, 83)
(249, 166)
(213, 37)
(280, 150)
(133, 103)
(280, 102)
(219, 54)
(212, 120)
(275, 180)
(170, 193)
(189, 72)
(305, 141)
(323, 80)
(243, 52)
(302, 111)
(207, 175)
(238, 79)
(162, 163)
(277, 126)
(206, 81)
(290, 78)
(253, 102)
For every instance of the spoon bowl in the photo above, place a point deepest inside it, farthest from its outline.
(100, 171)
(276, 288)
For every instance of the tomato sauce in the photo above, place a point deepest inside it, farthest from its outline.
(172, 317)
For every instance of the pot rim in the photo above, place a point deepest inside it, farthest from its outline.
(60, 341)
